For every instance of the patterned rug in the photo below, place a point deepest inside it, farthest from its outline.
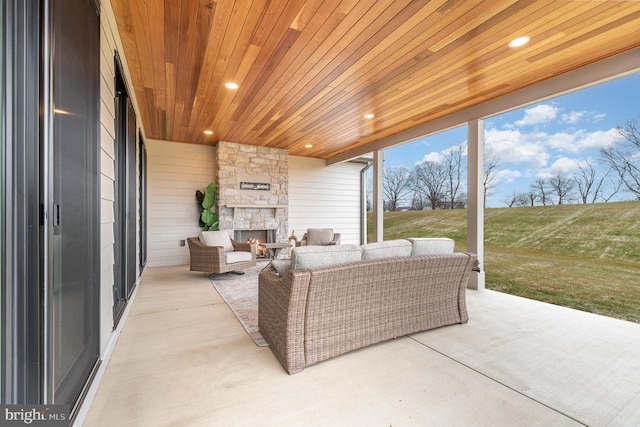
(241, 295)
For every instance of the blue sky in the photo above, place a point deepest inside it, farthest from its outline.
(533, 142)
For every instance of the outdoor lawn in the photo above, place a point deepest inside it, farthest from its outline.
(585, 257)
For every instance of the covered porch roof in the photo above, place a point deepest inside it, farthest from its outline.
(308, 71)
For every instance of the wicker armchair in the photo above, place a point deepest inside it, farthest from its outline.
(215, 259)
(319, 237)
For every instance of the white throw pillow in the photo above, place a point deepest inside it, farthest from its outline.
(217, 238)
(386, 249)
(432, 245)
(304, 257)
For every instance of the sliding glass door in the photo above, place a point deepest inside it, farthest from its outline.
(73, 171)
(49, 199)
(126, 200)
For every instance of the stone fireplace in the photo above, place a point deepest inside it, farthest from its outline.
(253, 193)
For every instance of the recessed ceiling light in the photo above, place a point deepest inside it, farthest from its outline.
(208, 132)
(308, 146)
(231, 85)
(369, 116)
(520, 41)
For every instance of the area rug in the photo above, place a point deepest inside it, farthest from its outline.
(241, 295)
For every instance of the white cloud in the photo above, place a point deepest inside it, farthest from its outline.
(561, 141)
(582, 140)
(566, 165)
(507, 175)
(542, 113)
(433, 157)
(600, 139)
(573, 117)
(462, 146)
(512, 146)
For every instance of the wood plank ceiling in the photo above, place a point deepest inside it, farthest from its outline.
(309, 70)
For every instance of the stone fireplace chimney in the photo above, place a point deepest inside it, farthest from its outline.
(253, 189)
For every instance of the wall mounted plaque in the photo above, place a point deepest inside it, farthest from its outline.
(264, 186)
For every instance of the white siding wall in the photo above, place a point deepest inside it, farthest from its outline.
(324, 196)
(110, 43)
(319, 196)
(107, 177)
(175, 172)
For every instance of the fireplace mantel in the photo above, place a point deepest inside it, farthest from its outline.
(234, 208)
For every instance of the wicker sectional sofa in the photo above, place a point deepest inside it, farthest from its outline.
(336, 299)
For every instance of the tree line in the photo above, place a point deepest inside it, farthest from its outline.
(439, 184)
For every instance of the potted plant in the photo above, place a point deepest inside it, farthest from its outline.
(206, 201)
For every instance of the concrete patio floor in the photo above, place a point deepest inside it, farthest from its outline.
(183, 359)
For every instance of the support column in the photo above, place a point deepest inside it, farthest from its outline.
(475, 200)
(378, 195)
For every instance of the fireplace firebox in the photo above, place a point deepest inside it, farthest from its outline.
(256, 237)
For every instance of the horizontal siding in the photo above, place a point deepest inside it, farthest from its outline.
(324, 196)
(175, 172)
(319, 196)
(107, 178)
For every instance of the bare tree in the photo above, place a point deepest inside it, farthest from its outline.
(517, 199)
(586, 182)
(591, 187)
(461, 201)
(396, 186)
(453, 167)
(625, 157)
(490, 175)
(615, 187)
(510, 200)
(429, 179)
(562, 186)
(540, 189)
(418, 202)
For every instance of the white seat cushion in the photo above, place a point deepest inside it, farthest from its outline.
(217, 238)
(238, 256)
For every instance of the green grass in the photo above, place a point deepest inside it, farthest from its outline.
(585, 257)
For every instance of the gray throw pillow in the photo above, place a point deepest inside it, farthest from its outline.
(281, 266)
(319, 236)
